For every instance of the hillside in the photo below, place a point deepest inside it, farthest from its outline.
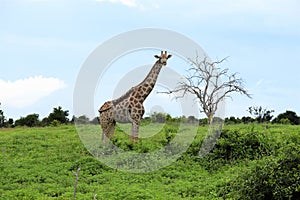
(39, 163)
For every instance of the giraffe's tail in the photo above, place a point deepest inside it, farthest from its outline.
(107, 105)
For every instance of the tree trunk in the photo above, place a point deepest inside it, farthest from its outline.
(209, 119)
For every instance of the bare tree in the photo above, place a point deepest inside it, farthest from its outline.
(210, 84)
(261, 114)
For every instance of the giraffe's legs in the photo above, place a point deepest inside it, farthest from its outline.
(108, 130)
(134, 131)
(108, 125)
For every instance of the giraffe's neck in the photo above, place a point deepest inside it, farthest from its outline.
(142, 90)
(147, 85)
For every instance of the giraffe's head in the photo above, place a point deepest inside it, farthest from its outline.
(163, 57)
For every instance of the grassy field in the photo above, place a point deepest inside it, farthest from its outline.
(248, 162)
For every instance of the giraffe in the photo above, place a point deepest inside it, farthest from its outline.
(129, 107)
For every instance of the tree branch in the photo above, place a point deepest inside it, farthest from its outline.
(204, 80)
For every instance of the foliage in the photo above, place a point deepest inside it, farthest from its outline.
(203, 121)
(2, 118)
(261, 115)
(285, 121)
(57, 114)
(232, 120)
(247, 120)
(270, 178)
(10, 122)
(248, 161)
(30, 120)
(158, 117)
(84, 120)
(57, 117)
(236, 120)
(81, 119)
(288, 115)
(55, 123)
(95, 121)
(4, 122)
(235, 145)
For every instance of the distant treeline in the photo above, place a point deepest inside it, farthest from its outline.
(59, 116)
(56, 117)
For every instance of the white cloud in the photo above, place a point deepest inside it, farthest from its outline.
(129, 3)
(141, 5)
(26, 92)
(215, 7)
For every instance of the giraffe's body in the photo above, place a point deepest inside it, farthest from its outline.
(129, 107)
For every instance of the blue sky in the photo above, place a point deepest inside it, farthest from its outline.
(43, 44)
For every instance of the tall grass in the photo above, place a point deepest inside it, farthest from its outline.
(39, 163)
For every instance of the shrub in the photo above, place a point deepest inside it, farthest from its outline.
(290, 115)
(30, 120)
(235, 145)
(285, 121)
(269, 178)
(55, 123)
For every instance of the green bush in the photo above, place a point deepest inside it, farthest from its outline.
(247, 163)
(234, 145)
(55, 123)
(285, 121)
(269, 178)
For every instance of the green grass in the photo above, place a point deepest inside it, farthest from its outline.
(39, 163)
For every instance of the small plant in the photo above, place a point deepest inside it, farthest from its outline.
(76, 174)
(285, 121)
(55, 123)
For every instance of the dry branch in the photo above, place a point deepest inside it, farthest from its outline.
(210, 84)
